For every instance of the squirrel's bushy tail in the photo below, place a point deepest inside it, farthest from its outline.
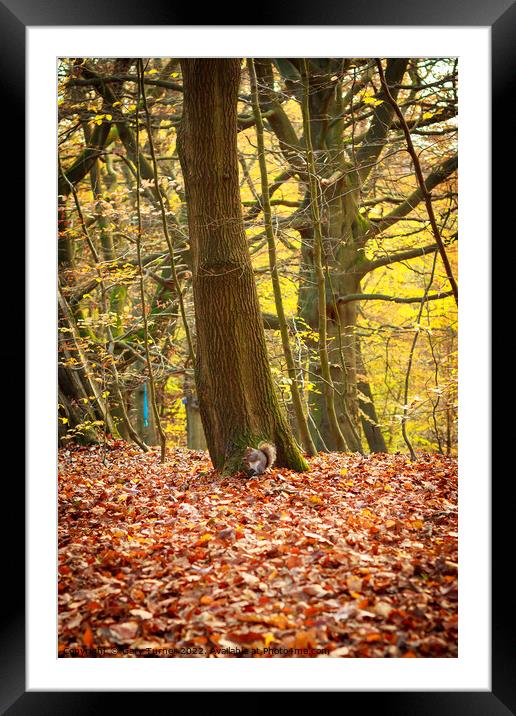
(269, 451)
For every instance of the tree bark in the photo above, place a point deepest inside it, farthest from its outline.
(369, 418)
(195, 438)
(238, 403)
(346, 233)
(328, 386)
(297, 401)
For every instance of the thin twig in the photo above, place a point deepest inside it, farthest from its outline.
(421, 181)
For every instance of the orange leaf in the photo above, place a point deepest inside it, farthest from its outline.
(373, 637)
(87, 638)
(267, 639)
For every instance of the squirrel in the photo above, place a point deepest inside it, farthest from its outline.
(257, 460)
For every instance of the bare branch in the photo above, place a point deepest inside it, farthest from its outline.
(437, 176)
(421, 181)
(398, 256)
(393, 299)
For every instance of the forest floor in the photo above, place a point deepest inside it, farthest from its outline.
(357, 558)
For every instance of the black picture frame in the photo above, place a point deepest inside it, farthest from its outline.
(500, 15)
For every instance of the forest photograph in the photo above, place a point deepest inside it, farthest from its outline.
(257, 357)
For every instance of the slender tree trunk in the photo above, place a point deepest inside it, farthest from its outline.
(150, 370)
(297, 402)
(65, 244)
(329, 389)
(145, 415)
(195, 438)
(369, 418)
(238, 402)
(84, 385)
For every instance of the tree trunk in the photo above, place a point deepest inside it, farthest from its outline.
(194, 430)
(145, 419)
(237, 399)
(369, 418)
(346, 233)
(341, 171)
(79, 385)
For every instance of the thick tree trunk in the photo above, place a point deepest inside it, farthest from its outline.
(238, 403)
(344, 256)
(341, 172)
(342, 348)
(346, 232)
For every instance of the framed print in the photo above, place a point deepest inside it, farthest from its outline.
(243, 473)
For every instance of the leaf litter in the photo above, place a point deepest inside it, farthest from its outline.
(357, 558)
